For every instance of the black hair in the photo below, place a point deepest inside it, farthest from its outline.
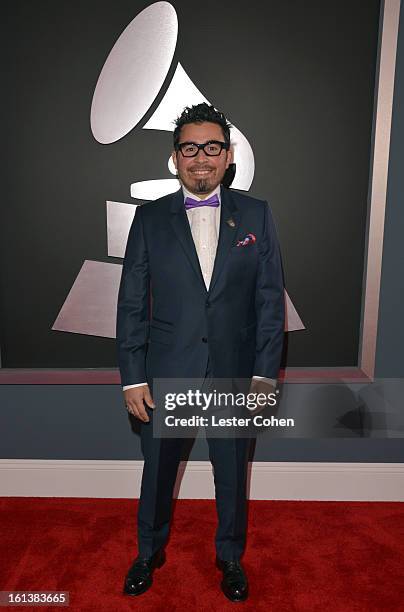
(199, 114)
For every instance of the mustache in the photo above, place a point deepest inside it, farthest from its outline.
(200, 167)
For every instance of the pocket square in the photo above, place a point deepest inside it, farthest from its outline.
(249, 239)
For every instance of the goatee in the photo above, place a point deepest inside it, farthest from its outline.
(202, 186)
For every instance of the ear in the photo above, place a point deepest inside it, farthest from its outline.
(229, 157)
(174, 158)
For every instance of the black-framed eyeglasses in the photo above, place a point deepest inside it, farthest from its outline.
(211, 148)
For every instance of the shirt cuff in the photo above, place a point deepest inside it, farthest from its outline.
(132, 386)
(270, 381)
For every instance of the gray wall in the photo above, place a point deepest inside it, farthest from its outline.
(90, 422)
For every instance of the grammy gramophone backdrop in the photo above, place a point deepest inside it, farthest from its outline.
(300, 81)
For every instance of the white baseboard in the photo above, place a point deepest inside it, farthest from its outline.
(267, 480)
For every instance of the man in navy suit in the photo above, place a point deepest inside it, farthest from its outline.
(201, 296)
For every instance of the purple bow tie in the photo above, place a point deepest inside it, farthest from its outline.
(191, 203)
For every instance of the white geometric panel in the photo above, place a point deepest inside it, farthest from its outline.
(180, 93)
(119, 220)
(90, 307)
(134, 72)
(153, 189)
(292, 320)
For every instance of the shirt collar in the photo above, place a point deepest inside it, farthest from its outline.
(188, 194)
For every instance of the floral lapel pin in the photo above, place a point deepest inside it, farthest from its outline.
(249, 239)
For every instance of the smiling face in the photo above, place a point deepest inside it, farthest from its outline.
(203, 173)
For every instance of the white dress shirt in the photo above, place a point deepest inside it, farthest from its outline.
(204, 222)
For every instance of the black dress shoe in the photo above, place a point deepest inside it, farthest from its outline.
(140, 575)
(234, 584)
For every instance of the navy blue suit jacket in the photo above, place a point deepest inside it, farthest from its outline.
(168, 323)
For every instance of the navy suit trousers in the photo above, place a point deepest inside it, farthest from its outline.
(229, 458)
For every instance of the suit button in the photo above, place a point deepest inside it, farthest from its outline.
(204, 339)
(207, 304)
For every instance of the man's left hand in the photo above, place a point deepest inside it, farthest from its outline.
(261, 387)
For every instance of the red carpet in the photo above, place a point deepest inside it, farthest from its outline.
(301, 556)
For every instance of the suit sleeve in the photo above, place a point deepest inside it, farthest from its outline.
(132, 323)
(269, 301)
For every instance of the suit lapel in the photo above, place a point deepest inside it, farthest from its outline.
(229, 223)
(179, 221)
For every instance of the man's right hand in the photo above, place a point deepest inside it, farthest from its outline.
(134, 399)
